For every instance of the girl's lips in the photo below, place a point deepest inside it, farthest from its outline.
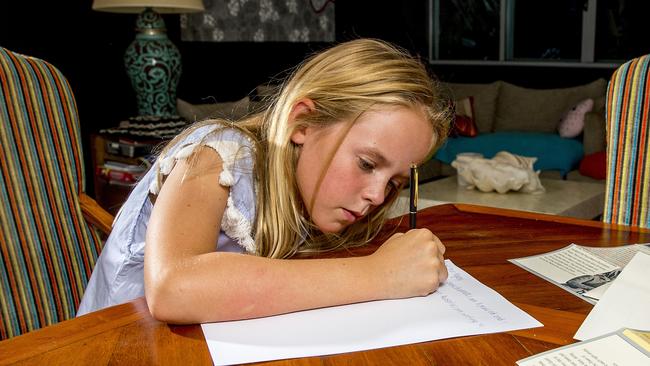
(350, 215)
(353, 216)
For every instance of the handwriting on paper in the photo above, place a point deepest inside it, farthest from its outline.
(459, 304)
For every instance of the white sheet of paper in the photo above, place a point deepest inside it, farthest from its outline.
(607, 350)
(625, 304)
(462, 306)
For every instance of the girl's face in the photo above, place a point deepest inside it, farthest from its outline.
(373, 158)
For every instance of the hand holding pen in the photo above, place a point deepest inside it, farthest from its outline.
(415, 258)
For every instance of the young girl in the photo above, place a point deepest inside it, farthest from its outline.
(225, 204)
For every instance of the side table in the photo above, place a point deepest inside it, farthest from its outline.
(119, 154)
(111, 193)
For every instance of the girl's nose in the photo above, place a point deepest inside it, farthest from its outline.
(375, 193)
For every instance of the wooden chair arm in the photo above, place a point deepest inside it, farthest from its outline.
(95, 214)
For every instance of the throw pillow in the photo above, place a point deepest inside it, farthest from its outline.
(594, 165)
(485, 101)
(464, 124)
(198, 112)
(552, 151)
(573, 121)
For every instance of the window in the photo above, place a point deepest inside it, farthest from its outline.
(468, 30)
(540, 32)
(621, 29)
(547, 30)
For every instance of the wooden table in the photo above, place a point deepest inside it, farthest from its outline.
(479, 239)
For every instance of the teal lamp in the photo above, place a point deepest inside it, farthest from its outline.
(152, 61)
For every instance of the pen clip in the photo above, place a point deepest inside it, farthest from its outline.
(414, 184)
(417, 184)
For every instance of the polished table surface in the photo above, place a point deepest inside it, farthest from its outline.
(480, 240)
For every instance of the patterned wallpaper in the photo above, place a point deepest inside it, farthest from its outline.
(261, 21)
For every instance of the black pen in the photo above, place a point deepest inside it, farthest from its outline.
(413, 196)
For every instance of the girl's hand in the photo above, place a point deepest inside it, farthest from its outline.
(410, 264)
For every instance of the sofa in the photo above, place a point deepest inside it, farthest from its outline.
(525, 121)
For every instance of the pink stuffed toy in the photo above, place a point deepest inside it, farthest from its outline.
(573, 121)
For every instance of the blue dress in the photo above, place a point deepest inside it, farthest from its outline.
(118, 275)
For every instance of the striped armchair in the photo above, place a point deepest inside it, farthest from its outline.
(627, 192)
(47, 248)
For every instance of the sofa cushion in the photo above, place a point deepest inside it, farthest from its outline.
(552, 151)
(539, 110)
(593, 135)
(485, 101)
(228, 110)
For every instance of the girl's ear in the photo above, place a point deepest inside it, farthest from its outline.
(303, 106)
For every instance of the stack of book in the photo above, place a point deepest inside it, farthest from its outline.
(125, 161)
(119, 173)
(128, 147)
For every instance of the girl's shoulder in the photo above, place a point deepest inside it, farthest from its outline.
(234, 146)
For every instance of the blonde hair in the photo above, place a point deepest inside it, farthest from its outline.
(343, 82)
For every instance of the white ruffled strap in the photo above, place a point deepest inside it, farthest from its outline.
(233, 223)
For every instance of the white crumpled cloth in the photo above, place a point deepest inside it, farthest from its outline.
(504, 172)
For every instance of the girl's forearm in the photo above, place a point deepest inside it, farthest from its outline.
(226, 286)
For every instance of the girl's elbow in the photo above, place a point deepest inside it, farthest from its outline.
(162, 304)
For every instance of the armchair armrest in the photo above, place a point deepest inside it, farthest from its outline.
(95, 214)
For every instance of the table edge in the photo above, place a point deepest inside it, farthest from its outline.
(469, 208)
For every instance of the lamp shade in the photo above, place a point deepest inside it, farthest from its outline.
(137, 6)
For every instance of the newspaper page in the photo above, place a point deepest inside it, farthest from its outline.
(583, 271)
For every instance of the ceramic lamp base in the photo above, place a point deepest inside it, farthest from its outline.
(153, 64)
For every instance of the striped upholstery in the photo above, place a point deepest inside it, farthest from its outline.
(48, 250)
(628, 165)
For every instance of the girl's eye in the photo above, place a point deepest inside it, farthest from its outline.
(392, 186)
(366, 165)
